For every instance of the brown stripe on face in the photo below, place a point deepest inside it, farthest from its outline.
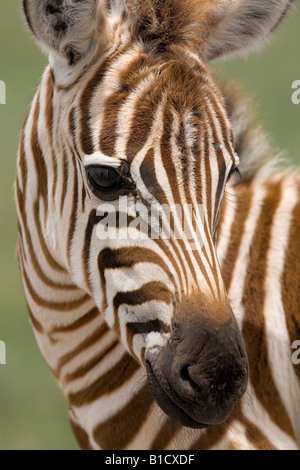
(226, 129)
(95, 337)
(108, 383)
(126, 258)
(196, 253)
(221, 183)
(143, 117)
(129, 80)
(148, 176)
(212, 211)
(184, 159)
(86, 138)
(166, 152)
(120, 432)
(83, 198)
(254, 328)
(244, 202)
(220, 160)
(75, 207)
(208, 189)
(142, 328)
(212, 265)
(197, 152)
(81, 436)
(290, 281)
(74, 131)
(203, 130)
(165, 435)
(155, 290)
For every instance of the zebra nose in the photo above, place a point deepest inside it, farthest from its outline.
(215, 382)
(197, 378)
(210, 369)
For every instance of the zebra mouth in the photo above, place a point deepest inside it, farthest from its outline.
(169, 404)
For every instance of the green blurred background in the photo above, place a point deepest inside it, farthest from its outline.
(33, 412)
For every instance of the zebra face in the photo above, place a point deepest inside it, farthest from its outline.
(155, 184)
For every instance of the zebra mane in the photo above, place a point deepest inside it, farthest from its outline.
(252, 143)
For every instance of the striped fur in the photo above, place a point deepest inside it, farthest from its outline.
(97, 307)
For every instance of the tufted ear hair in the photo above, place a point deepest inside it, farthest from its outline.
(213, 28)
(238, 26)
(68, 29)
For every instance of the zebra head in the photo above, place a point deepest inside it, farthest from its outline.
(149, 150)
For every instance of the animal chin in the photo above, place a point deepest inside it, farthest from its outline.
(166, 403)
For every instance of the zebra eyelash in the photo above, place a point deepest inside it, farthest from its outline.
(235, 171)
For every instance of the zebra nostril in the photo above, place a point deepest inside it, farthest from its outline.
(188, 383)
(184, 373)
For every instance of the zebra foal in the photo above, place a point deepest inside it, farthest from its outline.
(158, 341)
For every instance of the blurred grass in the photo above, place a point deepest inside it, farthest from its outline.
(33, 412)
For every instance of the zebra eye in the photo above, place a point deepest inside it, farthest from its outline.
(103, 178)
(109, 183)
(234, 171)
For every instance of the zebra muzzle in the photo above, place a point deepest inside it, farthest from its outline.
(200, 374)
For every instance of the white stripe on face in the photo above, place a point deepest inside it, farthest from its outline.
(100, 159)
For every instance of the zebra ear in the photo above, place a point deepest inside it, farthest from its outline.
(238, 26)
(67, 28)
